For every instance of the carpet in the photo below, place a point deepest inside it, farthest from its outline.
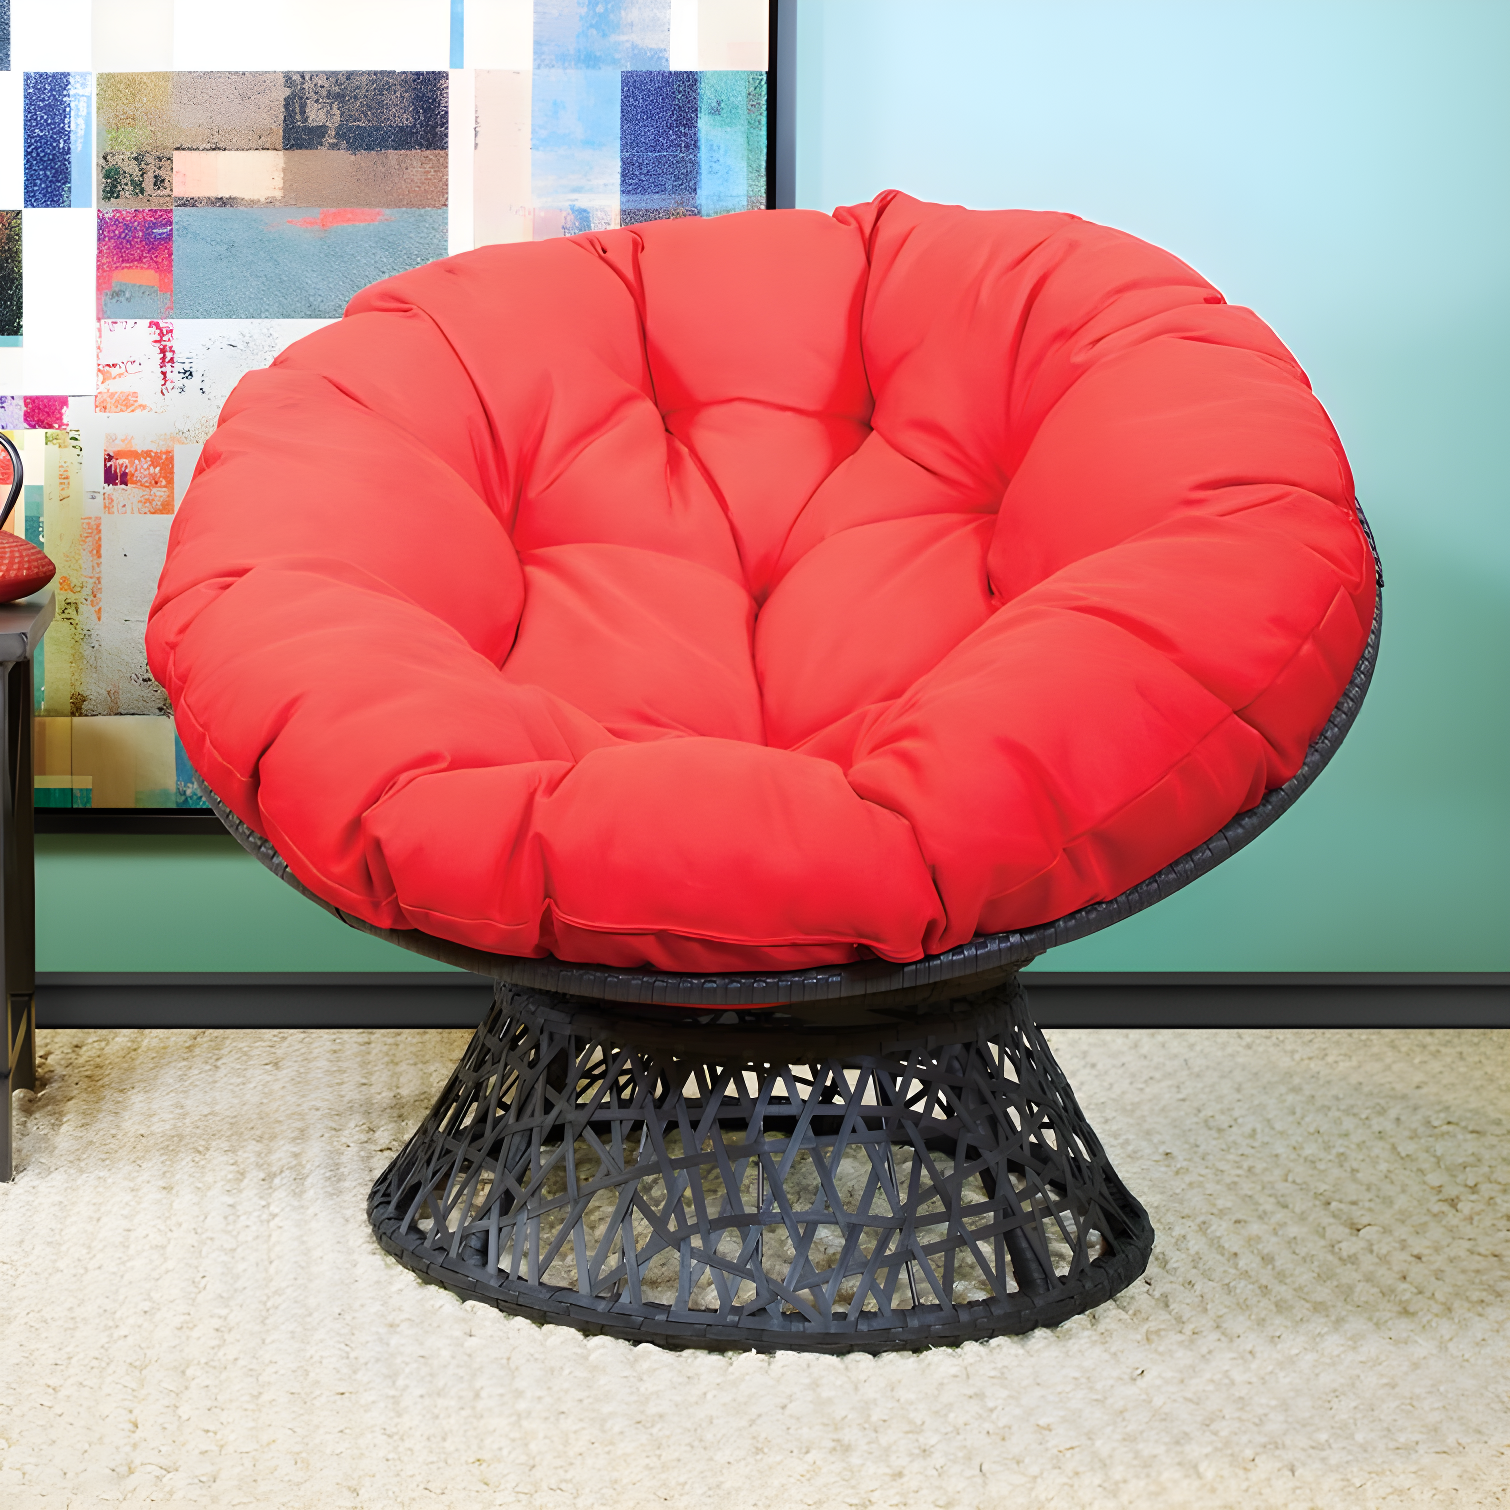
(195, 1312)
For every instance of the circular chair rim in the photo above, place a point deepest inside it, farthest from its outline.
(981, 961)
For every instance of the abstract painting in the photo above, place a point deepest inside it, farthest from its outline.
(187, 189)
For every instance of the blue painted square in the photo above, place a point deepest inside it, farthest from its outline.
(658, 160)
(365, 111)
(574, 140)
(727, 110)
(56, 115)
(31, 504)
(284, 263)
(602, 34)
(134, 301)
(48, 160)
(186, 791)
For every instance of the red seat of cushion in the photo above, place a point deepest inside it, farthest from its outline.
(763, 591)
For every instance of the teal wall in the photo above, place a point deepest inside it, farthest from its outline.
(1342, 168)
(195, 902)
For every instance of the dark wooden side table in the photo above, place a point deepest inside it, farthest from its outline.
(22, 626)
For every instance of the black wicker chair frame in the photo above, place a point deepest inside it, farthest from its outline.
(863, 1157)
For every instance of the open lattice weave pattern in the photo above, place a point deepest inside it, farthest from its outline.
(895, 1191)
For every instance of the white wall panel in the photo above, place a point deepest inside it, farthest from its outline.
(50, 36)
(501, 186)
(132, 36)
(500, 33)
(684, 34)
(12, 163)
(185, 459)
(462, 135)
(58, 320)
(312, 34)
(733, 34)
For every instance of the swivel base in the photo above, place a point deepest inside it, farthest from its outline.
(736, 1180)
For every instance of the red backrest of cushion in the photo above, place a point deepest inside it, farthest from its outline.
(763, 591)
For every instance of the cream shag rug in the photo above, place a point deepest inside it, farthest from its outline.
(194, 1311)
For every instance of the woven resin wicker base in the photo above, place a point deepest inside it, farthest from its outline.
(744, 1180)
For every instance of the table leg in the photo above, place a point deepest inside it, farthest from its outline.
(17, 897)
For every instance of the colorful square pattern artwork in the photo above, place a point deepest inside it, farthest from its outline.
(187, 187)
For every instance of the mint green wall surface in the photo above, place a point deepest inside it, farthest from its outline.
(1342, 168)
(192, 902)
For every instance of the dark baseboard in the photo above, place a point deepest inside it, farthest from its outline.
(1060, 999)
(127, 820)
(271, 999)
(1459, 999)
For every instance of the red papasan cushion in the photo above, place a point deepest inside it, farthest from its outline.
(765, 591)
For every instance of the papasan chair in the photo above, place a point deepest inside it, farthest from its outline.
(752, 641)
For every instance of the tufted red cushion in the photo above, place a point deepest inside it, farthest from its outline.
(763, 591)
